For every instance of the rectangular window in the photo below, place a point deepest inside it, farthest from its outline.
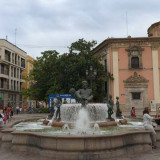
(2, 68)
(15, 58)
(15, 72)
(12, 57)
(135, 62)
(7, 83)
(22, 62)
(7, 55)
(1, 96)
(11, 71)
(105, 65)
(1, 83)
(136, 95)
(20, 97)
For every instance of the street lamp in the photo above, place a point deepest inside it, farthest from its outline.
(91, 75)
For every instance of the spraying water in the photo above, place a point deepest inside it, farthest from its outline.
(96, 112)
(66, 128)
(83, 122)
(96, 128)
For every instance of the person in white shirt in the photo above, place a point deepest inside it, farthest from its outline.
(1, 121)
(148, 125)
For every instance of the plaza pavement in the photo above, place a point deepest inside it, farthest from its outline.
(10, 155)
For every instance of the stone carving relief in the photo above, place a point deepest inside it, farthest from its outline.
(136, 84)
(135, 80)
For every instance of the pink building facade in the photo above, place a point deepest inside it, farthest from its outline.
(135, 66)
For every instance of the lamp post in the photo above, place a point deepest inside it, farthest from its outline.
(91, 75)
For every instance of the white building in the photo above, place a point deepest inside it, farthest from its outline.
(12, 63)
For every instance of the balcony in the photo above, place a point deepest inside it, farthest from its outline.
(4, 76)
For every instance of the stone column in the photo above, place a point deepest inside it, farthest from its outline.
(115, 74)
(3, 53)
(109, 70)
(20, 61)
(17, 59)
(155, 75)
(15, 86)
(11, 57)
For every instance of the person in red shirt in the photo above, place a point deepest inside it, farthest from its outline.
(5, 119)
(24, 108)
(133, 114)
(8, 111)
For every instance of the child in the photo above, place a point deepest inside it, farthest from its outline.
(5, 118)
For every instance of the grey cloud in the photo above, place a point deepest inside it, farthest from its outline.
(58, 23)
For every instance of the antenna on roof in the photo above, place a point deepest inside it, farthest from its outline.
(127, 23)
(6, 37)
(15, 35)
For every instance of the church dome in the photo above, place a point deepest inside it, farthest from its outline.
(154, 30)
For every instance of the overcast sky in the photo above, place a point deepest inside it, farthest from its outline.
(41, 25)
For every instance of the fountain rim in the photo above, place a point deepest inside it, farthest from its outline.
(72, 136)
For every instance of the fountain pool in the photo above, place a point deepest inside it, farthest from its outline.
(39, 127)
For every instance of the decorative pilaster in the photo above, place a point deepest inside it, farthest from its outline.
(115, 73)
(155, 73)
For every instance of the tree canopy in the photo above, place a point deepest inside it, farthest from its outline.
(56, 74)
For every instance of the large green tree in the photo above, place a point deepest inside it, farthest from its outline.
(55, 73)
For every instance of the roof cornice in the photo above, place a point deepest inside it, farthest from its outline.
(110, 41)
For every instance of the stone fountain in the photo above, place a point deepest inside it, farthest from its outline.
(95, 112)
(84, 140)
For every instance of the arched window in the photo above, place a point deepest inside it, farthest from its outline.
(134, 62)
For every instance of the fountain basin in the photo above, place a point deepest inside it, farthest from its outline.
(80, 147)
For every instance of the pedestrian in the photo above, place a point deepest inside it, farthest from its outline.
(17, 109)
(8, 110)
(133, 113)
(5, 119)
(1, 121)
(148, 125)
(5, 110)
(11, 114)
(24, 108)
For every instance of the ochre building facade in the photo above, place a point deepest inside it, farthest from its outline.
(29, 67)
